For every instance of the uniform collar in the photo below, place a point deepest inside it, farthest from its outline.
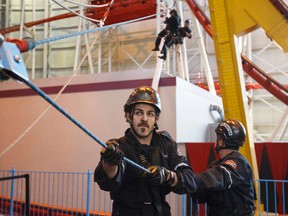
(132, 139)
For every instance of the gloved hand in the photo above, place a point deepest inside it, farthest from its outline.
(166, 20)
(112, 154)
(160, 175)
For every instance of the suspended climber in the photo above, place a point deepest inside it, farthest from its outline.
(173, 24)
(176, 39)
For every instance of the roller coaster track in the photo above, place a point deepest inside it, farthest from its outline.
(120, 11)
(266, 81)
(127, 10)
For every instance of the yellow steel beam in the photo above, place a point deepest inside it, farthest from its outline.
(230, 72)
(231, 18)
(247, 15)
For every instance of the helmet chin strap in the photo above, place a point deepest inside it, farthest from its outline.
(156, 126)
(218, 148)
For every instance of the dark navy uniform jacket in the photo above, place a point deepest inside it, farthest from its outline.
(173, 23)
(227, 186)
(130, 188)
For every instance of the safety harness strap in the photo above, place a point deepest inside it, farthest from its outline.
(155, 192)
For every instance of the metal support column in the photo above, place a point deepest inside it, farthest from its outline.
(231, 76)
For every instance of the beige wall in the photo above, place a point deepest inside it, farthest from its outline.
(54, 143)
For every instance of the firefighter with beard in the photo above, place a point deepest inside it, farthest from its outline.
(227, 186)
(133, 192)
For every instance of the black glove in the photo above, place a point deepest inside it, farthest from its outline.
(165, 21)
(112, 154)
(160, 175)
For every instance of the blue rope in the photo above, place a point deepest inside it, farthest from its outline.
(59, 108)
(32, 44)
(89, 31)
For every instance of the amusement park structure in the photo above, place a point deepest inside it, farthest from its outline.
(122, 37)
(238, 54)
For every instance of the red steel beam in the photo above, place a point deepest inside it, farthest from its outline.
(270, 84)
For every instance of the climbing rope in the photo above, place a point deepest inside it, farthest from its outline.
(55, 99)
(66, 114)
(27, 44)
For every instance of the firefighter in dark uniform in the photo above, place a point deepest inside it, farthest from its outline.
(184, 31)
(134, 192)
(173, 24)
(176, 39)
(227, 186)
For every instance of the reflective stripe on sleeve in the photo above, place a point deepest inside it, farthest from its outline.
(179, 165)
(229, 174)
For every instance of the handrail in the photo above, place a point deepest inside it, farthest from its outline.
(27, 190)
(67, 193)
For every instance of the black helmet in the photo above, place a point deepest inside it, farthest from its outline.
(143, 94)
(188, 21)
(232, 132)
(173, 11)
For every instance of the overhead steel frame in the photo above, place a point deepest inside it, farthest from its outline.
(231, 18)
(205, 22)
(231, 75)
(282, 121)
